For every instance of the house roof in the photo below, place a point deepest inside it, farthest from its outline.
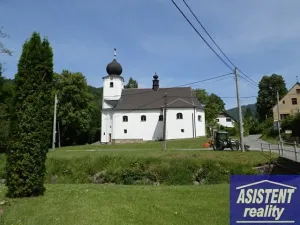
(146, 98)
(227, 115)
(297, 83)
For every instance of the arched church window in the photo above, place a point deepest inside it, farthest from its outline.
(111, 84)
(199, 118)
(125, 118)
(179, 116)
(143, 118)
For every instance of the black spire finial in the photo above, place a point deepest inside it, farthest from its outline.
(115, 52)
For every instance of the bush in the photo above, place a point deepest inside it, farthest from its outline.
(130, 171)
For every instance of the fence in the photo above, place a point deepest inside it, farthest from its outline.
(284, 149)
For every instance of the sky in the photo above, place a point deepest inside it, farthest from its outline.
(260, 38)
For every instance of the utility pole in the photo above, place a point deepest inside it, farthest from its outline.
(278, 118)
(54, 124)
(240, 109)
(58, 133)
(165, 121)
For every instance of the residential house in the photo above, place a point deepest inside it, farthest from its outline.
(225, 120)
(289, 104)
(137, 114)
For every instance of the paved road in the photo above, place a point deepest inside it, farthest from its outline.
(255, 144)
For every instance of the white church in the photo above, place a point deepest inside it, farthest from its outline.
(137, 114)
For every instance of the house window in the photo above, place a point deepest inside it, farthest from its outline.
(294, 101)
(143, 118)
(125, 131)
(283, 102)
(228, 119)
(182, 130)
(283, 116)
(125, 118)
(298, 91)
(199, 118)
(160, 118)
(218, 120)
(111, 84)
(179, 116)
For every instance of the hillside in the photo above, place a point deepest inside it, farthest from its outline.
(234, 113)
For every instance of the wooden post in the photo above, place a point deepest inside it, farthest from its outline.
(295, 148)
(262, 146)
(279, 147)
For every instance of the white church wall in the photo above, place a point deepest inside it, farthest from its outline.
(151, 129)
(200, 123)
(106, 126)
(183, 128)
(225, 121)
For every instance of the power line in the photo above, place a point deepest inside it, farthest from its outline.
(214, 41)
(165, 89)
(178, 96)
(201, 36)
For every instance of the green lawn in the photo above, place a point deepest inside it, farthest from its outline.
(193, 143)
(120, 205)
(133, 204)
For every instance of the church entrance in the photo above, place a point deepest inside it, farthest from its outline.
(109, 138)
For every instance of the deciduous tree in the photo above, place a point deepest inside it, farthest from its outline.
(75, 108)
(31, 119)
(267, 94)
(131, 83)
(214, 105)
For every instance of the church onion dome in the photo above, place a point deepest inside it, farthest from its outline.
(114, 68)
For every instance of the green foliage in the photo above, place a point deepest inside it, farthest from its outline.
(131, 83)
(267, 94)
(30, 127)
(150, 170)
(234, 112)
(248, 113)
(95, 129)
(214, 105)
(232, 131)
(292, 122)
(76, 108)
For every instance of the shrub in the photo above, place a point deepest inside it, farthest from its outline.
(30, 127)
(129, 171)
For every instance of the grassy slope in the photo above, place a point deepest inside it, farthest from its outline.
(194, 143)
(118, 205)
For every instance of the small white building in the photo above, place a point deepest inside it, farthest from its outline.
(134, 115)
(225, 120)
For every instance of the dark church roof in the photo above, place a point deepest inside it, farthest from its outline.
(114, 68)
(134, 99)
(113, 103)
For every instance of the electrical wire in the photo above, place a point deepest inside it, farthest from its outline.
(165, 89)
(230, 61)
(225, 63)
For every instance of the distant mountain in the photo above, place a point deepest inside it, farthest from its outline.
(234, 112)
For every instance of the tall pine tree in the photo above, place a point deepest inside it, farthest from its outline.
(30, 129)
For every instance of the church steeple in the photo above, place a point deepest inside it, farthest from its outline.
(114, 68)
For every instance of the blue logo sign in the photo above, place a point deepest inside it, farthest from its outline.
(263, 199)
